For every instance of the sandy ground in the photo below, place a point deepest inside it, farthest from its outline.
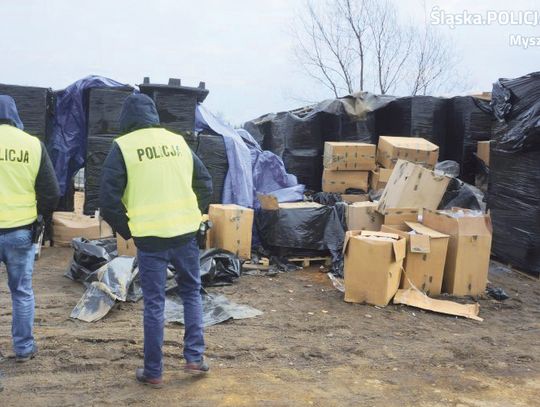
(309, 348)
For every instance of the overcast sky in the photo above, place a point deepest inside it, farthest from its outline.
(242, 49)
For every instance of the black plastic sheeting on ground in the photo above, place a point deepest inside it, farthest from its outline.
(88, 257)
(304, 231)
(175, 105)
(219, 267)
(514, 187)
(35, 107)
(216, 309)
(211, 150)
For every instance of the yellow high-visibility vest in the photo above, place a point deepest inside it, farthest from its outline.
(159, 197)
(20, 157)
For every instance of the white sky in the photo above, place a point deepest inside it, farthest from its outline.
(242, 49)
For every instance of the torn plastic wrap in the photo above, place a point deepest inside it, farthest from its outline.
(462, 195)
(514, 189)
(303, 231)
(216, 309)
(219, 267)
(35, 107)
(88, 257)
(111, 286)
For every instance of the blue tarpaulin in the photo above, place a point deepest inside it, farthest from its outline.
(67, 145)
(251, 170)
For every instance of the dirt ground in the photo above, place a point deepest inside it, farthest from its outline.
(309, 348)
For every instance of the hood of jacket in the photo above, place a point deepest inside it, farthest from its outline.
(138, 112)
(9, 113)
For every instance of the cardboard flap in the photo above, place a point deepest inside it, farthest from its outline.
(400, 249)
(368, 233)
(424, 230)
(420, 243)
(348, 236)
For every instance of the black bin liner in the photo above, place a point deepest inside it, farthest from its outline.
(35, 106)
(211, 150)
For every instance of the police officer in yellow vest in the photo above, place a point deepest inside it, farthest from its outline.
(154, 189)
(28, 186)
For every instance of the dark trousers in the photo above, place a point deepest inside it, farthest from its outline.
(153, 273)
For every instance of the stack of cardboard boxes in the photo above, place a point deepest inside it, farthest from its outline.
(347, 166)
(386, 247)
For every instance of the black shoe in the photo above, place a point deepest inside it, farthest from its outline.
(196, 367)
(153, 383)
(25, 358)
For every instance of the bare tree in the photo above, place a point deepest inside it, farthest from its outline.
(351, 45)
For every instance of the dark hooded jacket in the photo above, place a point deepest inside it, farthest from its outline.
(139, 112)
(46, 186)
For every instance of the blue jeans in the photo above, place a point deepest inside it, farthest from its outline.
(17, 253)
(153, 273)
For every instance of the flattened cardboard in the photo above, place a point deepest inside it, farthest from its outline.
(231, 228)
(415, 298)
(349, 156)
(379, 178)
(363, 216)
(412, 186)
(482, 151)
(373, 262)
(426, 255)
(413, 149)
(68, 225)
(469, 248)
(340, 181)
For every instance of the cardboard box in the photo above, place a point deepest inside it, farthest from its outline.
(352, 198)
(426, 256)
(78, 202)
(373, 262)
(469, 247)
(398, 216)
(379, 178)
(363, 216)
(125, 247)
(68, 225)
(340, 181)
(412, 186)
(482, 151)
(413, 149)
(231, 228)
(349, 156)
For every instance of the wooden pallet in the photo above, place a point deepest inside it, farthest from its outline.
(307, 261)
